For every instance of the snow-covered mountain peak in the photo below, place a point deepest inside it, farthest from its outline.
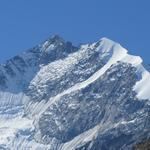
(107, 41)
(53, 42)
(118, 53)
(55, 48)
(56, 38)
(109, 46)
(64, 97)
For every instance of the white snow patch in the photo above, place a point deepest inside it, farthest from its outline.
(142, 87)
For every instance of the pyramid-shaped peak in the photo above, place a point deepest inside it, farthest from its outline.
(109, 46)
(108, 41)
(56, 39)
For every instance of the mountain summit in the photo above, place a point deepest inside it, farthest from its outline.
(56, 96)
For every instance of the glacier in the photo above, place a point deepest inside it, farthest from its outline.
(57, 96)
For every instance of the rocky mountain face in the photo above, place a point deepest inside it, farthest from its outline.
(144, 145)
(56, 96)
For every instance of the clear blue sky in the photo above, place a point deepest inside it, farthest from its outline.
(25, 23)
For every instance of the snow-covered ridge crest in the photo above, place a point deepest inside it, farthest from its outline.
(142, 87)
(107, 45)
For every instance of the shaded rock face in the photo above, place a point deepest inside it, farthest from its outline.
(56, 96)
(2, 79)
(145, 145)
